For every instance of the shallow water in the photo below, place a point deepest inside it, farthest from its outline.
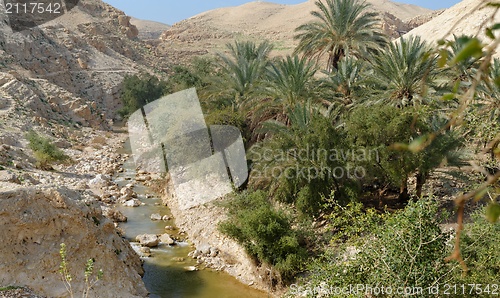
(165, 277)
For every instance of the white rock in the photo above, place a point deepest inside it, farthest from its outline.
(156, 216)
(99, 181)
(148, 240)
(190, 268)
(132, 203)
(165, 238)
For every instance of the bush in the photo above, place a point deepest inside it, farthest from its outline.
(265, 233)
(139, 90)
(46, 153)
(387, 130)
(480, 245)
(302, 164)
(408, 250)
(349, 222)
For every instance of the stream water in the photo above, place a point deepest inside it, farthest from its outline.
(164, 275)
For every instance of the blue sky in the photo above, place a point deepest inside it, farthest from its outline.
(172, 11)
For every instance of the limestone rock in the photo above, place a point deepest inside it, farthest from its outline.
(165, 238)
(156, 216)
(148, 240)
(35, 221)
(132, 203)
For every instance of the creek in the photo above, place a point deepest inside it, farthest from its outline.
(165, 273)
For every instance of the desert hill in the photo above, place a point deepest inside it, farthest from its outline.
(149, 29)
(468, 16)
(210, 30)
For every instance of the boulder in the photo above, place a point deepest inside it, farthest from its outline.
(132, 203)
(148, 240)
(213, 252)
(127, 192)
(99, 181)
(191, 268)
(114, 215)
(165, 238)
(156, 216)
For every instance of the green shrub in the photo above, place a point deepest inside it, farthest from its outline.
(139, 90)
(387, 130)
(408, 250)
(227, 116)
(347, 223)
(46, 153)
(265, 233)
(480, 246)
(68, 278)
(302, 163)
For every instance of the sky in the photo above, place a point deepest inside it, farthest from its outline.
(172, 11)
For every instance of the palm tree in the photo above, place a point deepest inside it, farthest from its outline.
(344, 87)
(241, 71)
(342, 28)
(489, 92)
(465, 69)
(406, 69)
(487, 109)
(288, 82)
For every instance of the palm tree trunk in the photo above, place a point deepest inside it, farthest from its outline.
(334, 59)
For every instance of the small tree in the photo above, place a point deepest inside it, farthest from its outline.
(139, 90)
(382, 128)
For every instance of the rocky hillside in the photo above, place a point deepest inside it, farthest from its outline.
(35, 221)
(210, 31)
(63, 80)
(465, 17)
(72, 66)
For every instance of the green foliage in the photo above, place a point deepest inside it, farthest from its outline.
(289, 81)
(349, 222)
(480, 243)
(242, 72)
(299, 164)
(346, 85)
(227, 116)
(381, 128)
(460, 70)
(8, 288)
(341, 28)
(407, 250)
(139, 90)
(493, 212)
(197, 74)
(265, 233)
(46, 153)
(405, 69)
